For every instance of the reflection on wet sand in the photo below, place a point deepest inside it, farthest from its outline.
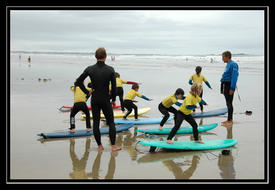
(226, 161)
(79, 166)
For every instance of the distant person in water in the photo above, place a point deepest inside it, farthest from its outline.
(80, 99)
(228, 84)
(166, 106)
(129, 99)
(119, 89)
(198, 78)
(29, 59)
(185, 110)
(101, 76)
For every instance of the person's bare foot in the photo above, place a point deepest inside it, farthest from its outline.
(88, 129)
(199, 141)
(160, 127)
(115, 148)
(227, 123)
(170, 141)
(137, 119)
(100, 147)
(124, 118)
(72, 130)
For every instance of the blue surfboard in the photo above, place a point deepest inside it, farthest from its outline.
(211, 113)
(182, 130)
(80, 133)
(192, 145)
(141, 121)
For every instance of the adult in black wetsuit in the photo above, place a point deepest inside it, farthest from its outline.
(101, 75)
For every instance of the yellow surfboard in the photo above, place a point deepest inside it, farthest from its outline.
(120, 114)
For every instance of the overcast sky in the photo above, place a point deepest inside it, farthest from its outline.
(181, 32)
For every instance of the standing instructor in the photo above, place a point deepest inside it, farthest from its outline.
(101, 75)
(228, 84)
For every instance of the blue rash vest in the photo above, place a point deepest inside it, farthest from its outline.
(231, 74)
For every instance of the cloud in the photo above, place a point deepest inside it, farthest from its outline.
(162, 31)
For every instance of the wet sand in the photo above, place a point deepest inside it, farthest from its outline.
(34, 107)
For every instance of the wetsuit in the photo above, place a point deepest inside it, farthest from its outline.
(228, 82)
(101, 75)
(198, 78)
(119, 90)
(166, 106)
(79, 104)
(184, 113)
(128, 102)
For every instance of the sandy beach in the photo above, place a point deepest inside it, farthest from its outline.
(39, 88)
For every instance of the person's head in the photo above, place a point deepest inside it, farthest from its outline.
(179, 93)
(117, 75)
(135, 87)
(101, 54)
(196, 89)
(198, 70)
(226, 56)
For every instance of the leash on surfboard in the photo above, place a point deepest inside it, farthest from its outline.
(246, 112)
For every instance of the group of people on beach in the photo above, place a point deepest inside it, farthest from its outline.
(106, 84)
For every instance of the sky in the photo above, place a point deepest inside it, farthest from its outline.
(174, 32)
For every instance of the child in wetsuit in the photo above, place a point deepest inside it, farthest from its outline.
(80, 99)
(198, 78)
(166, 106)
(129, 98)
(119, 89)
(184, 112)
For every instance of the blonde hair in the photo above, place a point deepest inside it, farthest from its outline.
(196, 89)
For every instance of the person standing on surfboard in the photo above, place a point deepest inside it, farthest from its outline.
(185, 110)
(119, 89)
(101, 75)
(165, 106)
(228, 84)
(129, 99)
(198, 78)
(80, 99)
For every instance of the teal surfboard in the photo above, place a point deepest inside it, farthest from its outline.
(192, 145)
(211, 113)
(141, 121)
(80, 133)
(182, 130)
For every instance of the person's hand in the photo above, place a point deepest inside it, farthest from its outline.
(150, 99)
(231, 92)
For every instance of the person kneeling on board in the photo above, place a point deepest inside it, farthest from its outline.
(80, 99)
(185, 110)
(166, 106)
(129, 99)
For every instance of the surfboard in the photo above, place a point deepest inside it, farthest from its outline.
(192, 145)
(80, 133)
(211, 113)
(141, 121)
(120, 114)
(182, 130)
(68, 108)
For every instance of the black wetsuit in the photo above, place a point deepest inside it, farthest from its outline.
(101, 75)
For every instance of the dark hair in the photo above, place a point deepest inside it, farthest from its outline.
(100, 53)
(117, 74)
(227, 54)
(198, 70)
(179, 91)
(135, 86)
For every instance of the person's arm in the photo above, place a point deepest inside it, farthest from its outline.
(145, 98)
(130, 82)
(191, 80)
(191, 107)
(113, 90)
(234, 78)
(79, 82)
(203, 102)
(207, 83)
